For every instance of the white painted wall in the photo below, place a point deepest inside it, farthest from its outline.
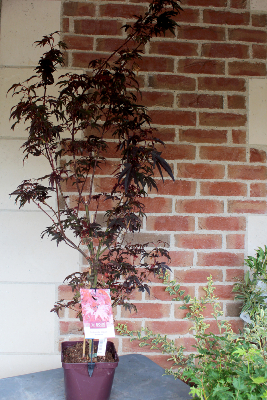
(30, 268)
(259, 5)
(257, 111)
(257, 225)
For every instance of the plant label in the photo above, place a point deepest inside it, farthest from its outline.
(97, 313)
(102, 344)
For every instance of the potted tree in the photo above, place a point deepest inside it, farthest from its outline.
(75, 131)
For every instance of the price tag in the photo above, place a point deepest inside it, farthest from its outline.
(102, 344)
(97, 313)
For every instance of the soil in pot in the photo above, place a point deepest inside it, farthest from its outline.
(74, 354)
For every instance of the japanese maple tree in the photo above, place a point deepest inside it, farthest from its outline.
(70, 130)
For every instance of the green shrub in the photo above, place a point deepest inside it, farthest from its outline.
(252, 290)
(225, 366)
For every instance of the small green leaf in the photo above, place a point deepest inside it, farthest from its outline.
(259, 379)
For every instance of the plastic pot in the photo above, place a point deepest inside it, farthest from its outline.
(80, 386)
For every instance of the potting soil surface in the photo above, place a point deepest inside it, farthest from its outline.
(136, 378)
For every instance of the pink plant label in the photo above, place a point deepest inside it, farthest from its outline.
(97, 313)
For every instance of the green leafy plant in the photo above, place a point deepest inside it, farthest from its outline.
(74, 131)
(252, 290)
(226, 366)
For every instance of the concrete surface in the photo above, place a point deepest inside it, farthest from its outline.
(136, 378)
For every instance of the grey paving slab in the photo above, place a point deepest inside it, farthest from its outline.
(136, 378)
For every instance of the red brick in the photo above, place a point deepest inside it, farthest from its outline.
(177, 188)
(247, 68)
(239, 136)
(70, 185)
(121, 11)
(170, 223)
(259, 51)
(112, 151)
(158, 204)
(166, 134)
(102, 206)
(194, 275)
(95, 132)
(222, 119)
(79, 42)
(233, 309)
(259, 20)
(97, 27)
(172, 82)
(79, 9)
(235, 241)
(220, 259)
(225, 50)
(207, 3)
(73, 327)
(225, 17)
(156, 99)
(257, 155)
(65, 25)
(247, 206)
(82, 59)
(221, 153)
(223, 189)
(224, 292)
(145, 237)
(187, 342)
(199, 206)
(61, 314)
(234, 274)
(222, 84)
(198, 241)
(148, 310)
(178, 151)
(238, 4)
(135, 295)
(72, 313)
(133, 347)
(194, 100)
(131, 325)
(104, 185)
(169, 327)
(201, 33)
(173, 48)
(212, 325)
(203, 136)
(247, 35)
(222, 223)
(187, 15)
(207, 312)
(157, 64)
(236, 326)
(107, 168)
(173, 117)
(200, 171)
(236, 102)
(109, 44)
(164, 173)
(258, 190)
(65, 292)
(201, 66)
(181, 258)
(159, 293)
(248, 172)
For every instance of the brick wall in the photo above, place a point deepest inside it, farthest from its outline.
(196, 87)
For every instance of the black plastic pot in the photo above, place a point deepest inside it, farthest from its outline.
(80, 386)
